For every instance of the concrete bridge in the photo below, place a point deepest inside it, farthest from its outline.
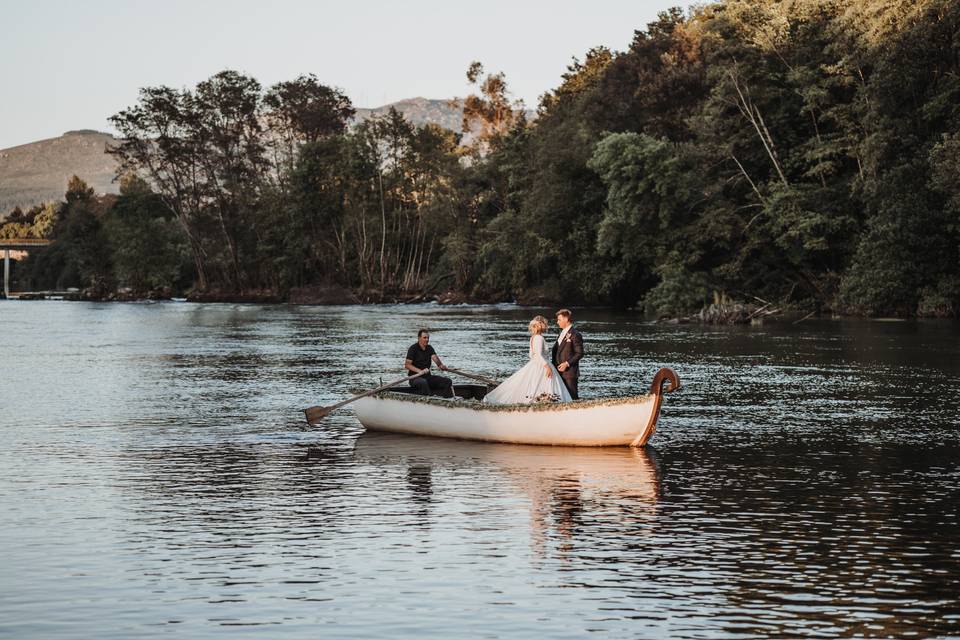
(17, 244)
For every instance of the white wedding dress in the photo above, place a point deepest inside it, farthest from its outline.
(531, 379)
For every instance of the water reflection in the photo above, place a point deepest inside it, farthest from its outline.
(567, 489)
(420, 481)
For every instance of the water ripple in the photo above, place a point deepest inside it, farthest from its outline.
(158, 478)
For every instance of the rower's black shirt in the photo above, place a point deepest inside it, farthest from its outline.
(420, 358)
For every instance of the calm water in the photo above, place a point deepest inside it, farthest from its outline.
(156, 478)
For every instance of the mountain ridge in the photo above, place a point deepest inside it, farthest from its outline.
(37, 172)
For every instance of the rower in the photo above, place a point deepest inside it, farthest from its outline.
(419, 357)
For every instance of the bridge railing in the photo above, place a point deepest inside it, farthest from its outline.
(19, 242)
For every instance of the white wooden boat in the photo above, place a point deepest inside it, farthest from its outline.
(583, 423)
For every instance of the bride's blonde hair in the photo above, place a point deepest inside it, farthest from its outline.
(538, 325)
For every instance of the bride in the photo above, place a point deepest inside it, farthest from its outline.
(535, 381)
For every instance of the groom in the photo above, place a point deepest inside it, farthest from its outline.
(567, 352)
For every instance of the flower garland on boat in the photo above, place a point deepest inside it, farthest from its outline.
(476, 405)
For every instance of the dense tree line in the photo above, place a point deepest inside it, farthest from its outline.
(103, 243)
(805, 152)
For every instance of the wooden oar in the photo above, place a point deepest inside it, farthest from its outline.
(316, 414)
(475, 376)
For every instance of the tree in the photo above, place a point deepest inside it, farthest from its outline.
(906, 260)
(202, 152)
(650, 201)
(160, 141)
(490, 113)
(149, 248)
(302, 112)
(77, 191)
(80, 254)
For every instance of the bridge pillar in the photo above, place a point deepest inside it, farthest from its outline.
(17, 244)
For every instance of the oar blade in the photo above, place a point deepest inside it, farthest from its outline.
(316, 414)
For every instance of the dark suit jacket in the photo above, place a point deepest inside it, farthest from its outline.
(570, 350)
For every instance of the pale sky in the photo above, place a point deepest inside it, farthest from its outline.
(71, 64)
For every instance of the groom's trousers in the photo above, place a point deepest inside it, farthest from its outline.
(570, 380)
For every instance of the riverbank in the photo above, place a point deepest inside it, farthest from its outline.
(312, 295)
(726, 313)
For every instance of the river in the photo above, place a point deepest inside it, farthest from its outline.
(157, 478)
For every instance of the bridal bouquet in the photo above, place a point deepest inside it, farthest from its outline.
(547, 397)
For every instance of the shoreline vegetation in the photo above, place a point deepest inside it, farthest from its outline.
(718, 313)
(740, 161)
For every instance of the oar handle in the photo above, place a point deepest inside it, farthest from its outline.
(378, 389)
(475, 376)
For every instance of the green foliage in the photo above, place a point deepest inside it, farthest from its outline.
(680, 292)
(944, 174)
(46, 219)
(805, 152)
(907, 257)
(307, 111)
(647, 196)
(899, 254)
(149, 248)
(38, 222)
(80, 254)
(941, 300)
(15, 228)
(490, 113)
(77, 191)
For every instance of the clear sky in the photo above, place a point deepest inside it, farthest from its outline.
(70, 65)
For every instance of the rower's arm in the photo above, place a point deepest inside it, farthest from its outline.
(439, 362)
(408, 365)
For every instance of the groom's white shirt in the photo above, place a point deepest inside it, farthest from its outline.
(563, 334)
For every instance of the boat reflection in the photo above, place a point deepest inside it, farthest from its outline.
(572, 492)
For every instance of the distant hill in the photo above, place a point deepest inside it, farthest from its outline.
(421, 111)
(38, 172)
